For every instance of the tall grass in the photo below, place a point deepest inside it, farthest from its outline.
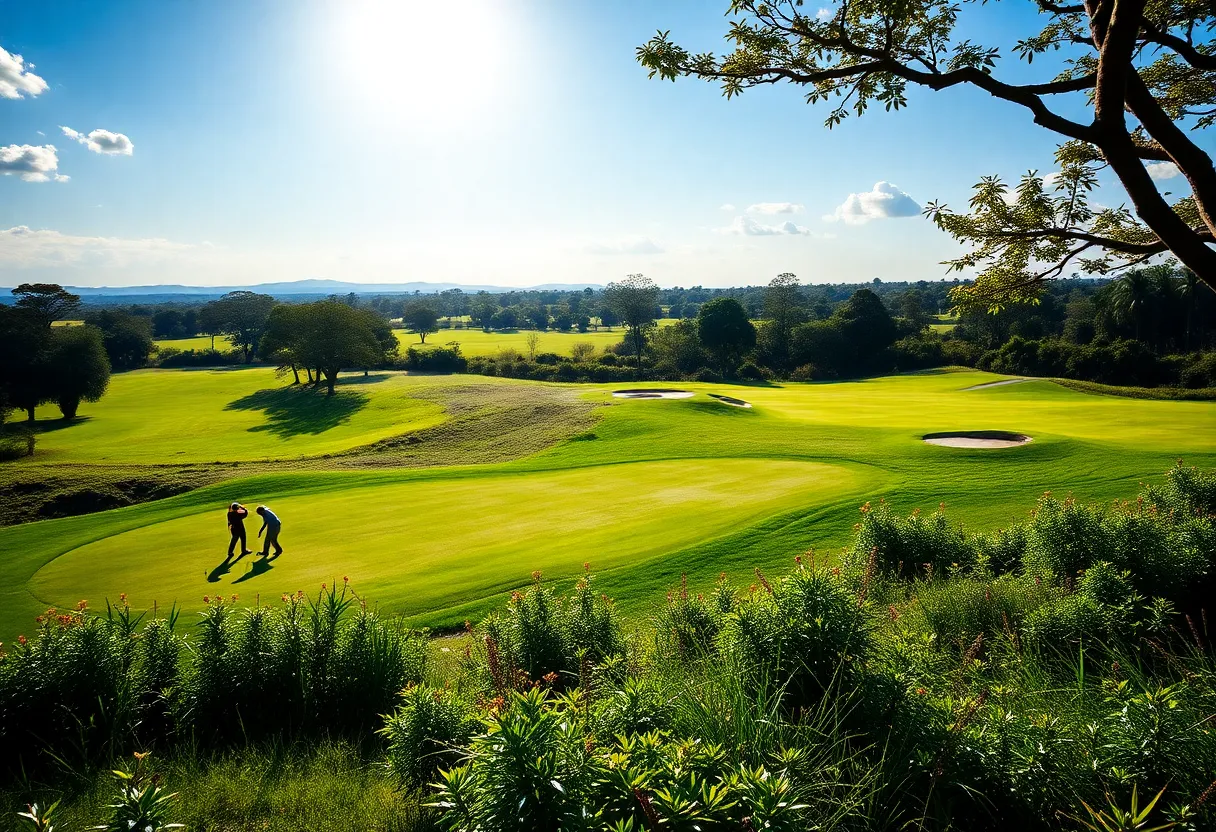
(88, 687)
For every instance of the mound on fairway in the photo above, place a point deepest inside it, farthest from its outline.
(730, 400)
(652, 393)
(422, 546)
(977, 439)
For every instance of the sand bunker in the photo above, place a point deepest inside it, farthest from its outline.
(730, 400)
(655, 393)
(977, 439)
(986, 385)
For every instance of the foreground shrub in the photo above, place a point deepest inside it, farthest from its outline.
(326, 665)
(688, 626)
(802, 633)
(541, 636)
(912, 545)
(426, 733)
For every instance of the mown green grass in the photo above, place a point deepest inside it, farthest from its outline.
(724, 489)
(476, 342)
(171, 416)
(198, 343)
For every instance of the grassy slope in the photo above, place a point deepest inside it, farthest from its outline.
(166, 416)
(442, 544)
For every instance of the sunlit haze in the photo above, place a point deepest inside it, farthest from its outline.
(491, 142)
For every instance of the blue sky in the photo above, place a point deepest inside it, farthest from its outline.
(370, 140)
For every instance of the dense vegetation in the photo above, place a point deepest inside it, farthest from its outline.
(1031, 678)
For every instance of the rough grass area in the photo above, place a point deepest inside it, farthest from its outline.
(331, 786)
(516, 475)
(483, 422)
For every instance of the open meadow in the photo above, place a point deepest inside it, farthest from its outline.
(438, 495)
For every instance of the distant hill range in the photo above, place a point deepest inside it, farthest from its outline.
(289, 289)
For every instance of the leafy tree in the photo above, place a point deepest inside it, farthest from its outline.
(633, 300)
(127, 337)
(608, 316)
(331, 336)
(482, 312)
(1144, 70)
(783, 310)
(168, 323)
(532, 340)
(420, 318)
(78, 367)
(582, 323)
(677, 349)
(209, 322)
(242, 317)
(280, 341)
(503, 319)
(912, 309)
(47, 302)
(724, 330)
(537, 317)
(24, 340)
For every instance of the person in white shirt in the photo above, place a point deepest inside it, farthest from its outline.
(271, 525)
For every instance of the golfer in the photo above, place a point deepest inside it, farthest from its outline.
(271, 525)
(236, 525)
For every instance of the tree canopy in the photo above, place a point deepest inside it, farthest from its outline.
(242, 317)
(48, 302)
(420, 318)
(634, 301)
(1146, 69)
(725, 330)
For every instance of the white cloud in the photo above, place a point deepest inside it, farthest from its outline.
(748, 227)
(884, 201)
(775, 208)
(16, 80)
(635, 245)
(33, 163)
(24, 247)
(102, 141)
(726, 207)
(1161, 171)
(825, 14)
(1050, 180)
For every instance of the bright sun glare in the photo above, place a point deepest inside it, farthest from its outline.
(422, 62)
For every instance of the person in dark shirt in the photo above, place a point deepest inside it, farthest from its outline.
(236, 525)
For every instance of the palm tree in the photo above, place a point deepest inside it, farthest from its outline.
(1188, 291)
(1131, 296)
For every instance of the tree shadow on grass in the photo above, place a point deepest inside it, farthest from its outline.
(259, 567)
(292, 411)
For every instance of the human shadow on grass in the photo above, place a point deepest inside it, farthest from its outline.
(222, 570)
(293, 411)
(259, 567)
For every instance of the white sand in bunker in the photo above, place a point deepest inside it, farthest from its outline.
(977, 439)
(730, 400)
(652, 394)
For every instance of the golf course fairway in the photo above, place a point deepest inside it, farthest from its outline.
(438, 495)
(429, 544)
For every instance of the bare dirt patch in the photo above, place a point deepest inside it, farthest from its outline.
(655, 393)
(977, 439)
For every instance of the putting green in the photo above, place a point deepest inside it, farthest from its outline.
(421, 546)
